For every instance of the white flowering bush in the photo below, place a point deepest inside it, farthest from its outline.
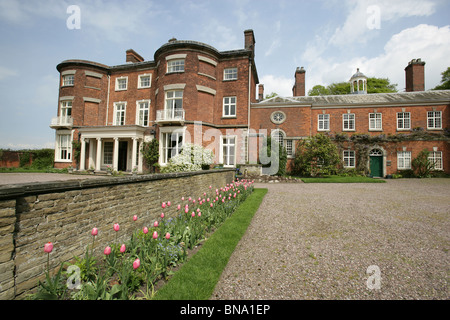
(191, 158)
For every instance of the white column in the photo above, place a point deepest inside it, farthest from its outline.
(91, 153)
(98, 155)
(83, 155)
(133, 154)
(116, 154)
(140, 156)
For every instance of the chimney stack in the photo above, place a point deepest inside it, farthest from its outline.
(249, 41)
(261, 92)
(133, 56)
(415, 75)
(299, 85)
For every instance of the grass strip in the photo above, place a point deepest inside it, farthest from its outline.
(197, 278)
(338, 179)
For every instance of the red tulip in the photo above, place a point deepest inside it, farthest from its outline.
(167, 236)
(134, 217)
(163, 205)
(107, 251)
(136, 264)
(116, 227)
(145, 230)
(48, 247)
(94, 231)
(155, 235)
(162, 215)
(123, 248)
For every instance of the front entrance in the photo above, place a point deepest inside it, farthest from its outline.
(376, 163)
(122, 161)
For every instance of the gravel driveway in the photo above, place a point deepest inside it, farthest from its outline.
(317, 241)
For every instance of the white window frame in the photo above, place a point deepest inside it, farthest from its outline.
(323, 122)
(118, 79)
(65, 107)
(434, 116)
(116, 111)
(109, 143)
(348, 120)
(225, 142)
(290, 148)
(230, 74)
(68, 80)
(375, 121)
(436, 158)
(68, 146)
(403, 160)
(146, 75)
(402, 119)
(228, 106)
(175, 65)
(164, 148)
(348, 157)
(140, 113)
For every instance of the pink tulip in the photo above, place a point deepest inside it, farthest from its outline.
(182, 198)
(136, 264)
(107, 251)
(211, 205)
(178, 207)
(210, 187)
(186, 210)
(48, 247)
(198, 209)
(199, 214)
(134, 217)
(207, 200)
(193, 201)
(145, 230)
(168, 203)
(162, 215)
(155, 224)
(94, 231)
(167, 236)
(193, 214)
(116, 227)
(190, 198)
(155, 235)
(123, 248)
(163, 205)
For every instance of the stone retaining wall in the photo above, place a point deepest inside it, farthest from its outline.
(64, 212)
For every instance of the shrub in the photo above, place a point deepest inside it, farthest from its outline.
(191, 158)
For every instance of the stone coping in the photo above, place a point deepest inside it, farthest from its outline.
(33, 188)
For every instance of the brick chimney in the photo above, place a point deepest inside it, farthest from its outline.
(299, 85)
(249, 41)
(261, 92)
(133, 56)
(415, 75)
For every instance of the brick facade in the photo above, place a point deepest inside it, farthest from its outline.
(218, 90)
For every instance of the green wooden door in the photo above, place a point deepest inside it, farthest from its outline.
(376, 166)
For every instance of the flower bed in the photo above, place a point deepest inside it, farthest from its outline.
(131, 269)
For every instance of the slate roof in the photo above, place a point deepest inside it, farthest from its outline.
(382, 99)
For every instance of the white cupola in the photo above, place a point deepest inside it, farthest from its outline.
(358, 83)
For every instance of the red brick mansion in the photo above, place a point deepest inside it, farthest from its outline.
(192, 93)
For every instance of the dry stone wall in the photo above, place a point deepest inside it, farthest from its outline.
(64, 212)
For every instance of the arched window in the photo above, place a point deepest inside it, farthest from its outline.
(279, 136)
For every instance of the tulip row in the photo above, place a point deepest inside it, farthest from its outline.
(147, 256)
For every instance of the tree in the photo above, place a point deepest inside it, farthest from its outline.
(316, 156)
(422, 165)
(445, 82)
(374, 85)
(150, 152)
(268, 96)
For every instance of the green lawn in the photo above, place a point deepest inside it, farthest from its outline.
(339, 179)
(197, 278)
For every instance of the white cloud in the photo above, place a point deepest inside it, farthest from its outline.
(5, 73)
(355, 27)
(277, 84)
(430, 43)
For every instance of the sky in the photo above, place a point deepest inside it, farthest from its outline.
(329, 38)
